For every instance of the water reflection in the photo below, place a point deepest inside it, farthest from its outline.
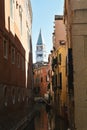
(43, 120)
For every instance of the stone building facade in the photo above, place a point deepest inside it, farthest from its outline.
(75, 18)
(59, 77)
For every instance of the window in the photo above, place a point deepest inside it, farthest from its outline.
(47, 78)
(20, 14)
(41, 79)
(39, 55)
(23, 63)
(5, 48)
(16, 4)
(21, 23)
(5, 96)
(13, 96)
(18, 60)
(59, 59)
(60, 80)
(19, 98)
(11, 8)
(39, 48)
(13, 55)
(62, 42)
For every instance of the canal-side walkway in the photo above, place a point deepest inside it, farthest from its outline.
(16, 119)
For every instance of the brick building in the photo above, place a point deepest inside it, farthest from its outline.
(41, 79)
(15, 52)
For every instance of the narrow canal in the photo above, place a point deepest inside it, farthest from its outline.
(43, 120)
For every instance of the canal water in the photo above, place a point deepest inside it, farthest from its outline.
(43, 120)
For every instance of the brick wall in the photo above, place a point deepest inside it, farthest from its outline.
(10, 73)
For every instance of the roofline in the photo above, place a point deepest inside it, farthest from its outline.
(58, 17)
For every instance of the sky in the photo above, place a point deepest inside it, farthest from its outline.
(44, 12)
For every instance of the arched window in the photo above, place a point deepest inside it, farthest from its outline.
(13, 96)
(5, 96)
(19, 95)
(23, 95)
(5, 92)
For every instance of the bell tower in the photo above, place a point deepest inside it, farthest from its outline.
(40, 49)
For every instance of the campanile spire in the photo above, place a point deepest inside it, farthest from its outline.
(40, 49)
